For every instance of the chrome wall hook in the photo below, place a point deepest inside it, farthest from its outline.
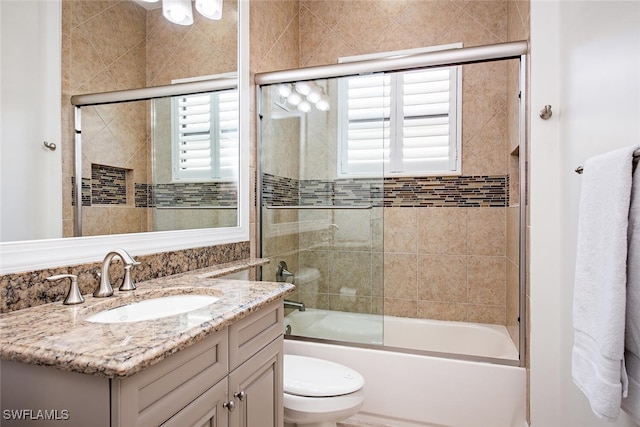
(546, 112)
(50, 145)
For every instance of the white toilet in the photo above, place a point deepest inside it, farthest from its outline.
(318, 393)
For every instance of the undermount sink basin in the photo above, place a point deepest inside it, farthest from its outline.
(155, 308)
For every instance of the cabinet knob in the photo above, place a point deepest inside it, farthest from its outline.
(229, 405)
(240, 395)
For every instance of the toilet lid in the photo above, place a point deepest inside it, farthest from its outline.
(311, 377)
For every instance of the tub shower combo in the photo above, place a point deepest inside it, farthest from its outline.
(392, 193)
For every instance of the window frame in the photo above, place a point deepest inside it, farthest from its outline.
(455, 122)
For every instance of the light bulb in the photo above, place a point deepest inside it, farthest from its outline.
(303, 88)
(211, 9)
(314, 96)
(284, 89)
(294, 98)
(323, 104)
(178, 11)
(304, 106)
(177, 14)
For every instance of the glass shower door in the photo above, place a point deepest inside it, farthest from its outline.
(321, 205)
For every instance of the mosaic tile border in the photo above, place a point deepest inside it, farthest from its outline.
(434, 191)
(110, 189)
(194, 194)
(447, 191)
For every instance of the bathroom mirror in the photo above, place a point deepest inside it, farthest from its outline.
(24, 255)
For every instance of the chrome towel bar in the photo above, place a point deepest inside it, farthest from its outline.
(636, 156)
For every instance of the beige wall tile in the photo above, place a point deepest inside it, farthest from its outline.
(442, 311)
(377, 274)
(351, 304)
(312, 263)
(377, 305)
(487, 280)
(361, 26)
(486, 231)
(313, 300)
(400, 307)
(442, 230)
(486, 314)
(352, 230)
(513, 234)
(400, 230)
(412, 16)
(442, 278)
(350, 270)
(400, 281)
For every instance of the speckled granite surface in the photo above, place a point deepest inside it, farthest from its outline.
(58, 335)
(28, 289)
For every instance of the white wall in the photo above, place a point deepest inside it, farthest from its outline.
(30, 37)
(586, 63)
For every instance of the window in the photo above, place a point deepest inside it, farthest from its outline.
(401, 123)
(205, 136)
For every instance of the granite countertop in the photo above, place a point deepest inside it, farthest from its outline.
(58, 335)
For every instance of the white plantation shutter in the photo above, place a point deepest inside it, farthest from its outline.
(428, 134)
(366, 132)
(228, 147)
(205, 136)
(401, 123)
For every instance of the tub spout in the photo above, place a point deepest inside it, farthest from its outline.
(294, 304)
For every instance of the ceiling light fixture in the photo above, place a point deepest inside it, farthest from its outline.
(303, 95)
(181, 12)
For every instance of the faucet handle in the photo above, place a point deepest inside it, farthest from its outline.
(73, 296)
(127, 283)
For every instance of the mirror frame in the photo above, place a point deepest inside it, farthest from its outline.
(24, 256)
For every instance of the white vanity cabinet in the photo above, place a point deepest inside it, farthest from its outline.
(232, 378)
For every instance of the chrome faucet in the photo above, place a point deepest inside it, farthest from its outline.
(282, 273)
(105, 289)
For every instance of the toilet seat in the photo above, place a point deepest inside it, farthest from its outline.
(311, 377)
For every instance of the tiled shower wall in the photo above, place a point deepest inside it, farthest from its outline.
(441, 262)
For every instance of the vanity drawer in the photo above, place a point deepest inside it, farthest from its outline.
(254, 332)
(153, 395)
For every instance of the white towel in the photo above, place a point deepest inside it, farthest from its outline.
(600, 281)
(631, 404)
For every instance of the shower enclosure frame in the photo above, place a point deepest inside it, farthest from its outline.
(451, 57)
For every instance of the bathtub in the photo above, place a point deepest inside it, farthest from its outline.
(461, 338)
(416, 390)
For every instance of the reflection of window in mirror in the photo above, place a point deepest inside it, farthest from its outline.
(411, 127)
(204, 128)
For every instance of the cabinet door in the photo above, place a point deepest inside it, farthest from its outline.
(257, 389)
(206, 411)
(152, 396)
